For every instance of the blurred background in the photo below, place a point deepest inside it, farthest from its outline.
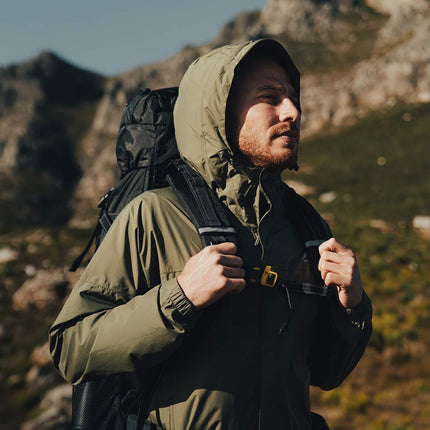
(67, 71)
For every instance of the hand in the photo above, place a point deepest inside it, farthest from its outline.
(212, 273)
(339, 268)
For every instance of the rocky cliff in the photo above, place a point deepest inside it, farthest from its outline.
(45, 104)
(356, 56)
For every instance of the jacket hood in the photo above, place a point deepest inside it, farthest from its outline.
(199, 118)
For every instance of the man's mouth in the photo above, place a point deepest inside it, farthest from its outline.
(287, 130)
(289, 134)
(287, 137)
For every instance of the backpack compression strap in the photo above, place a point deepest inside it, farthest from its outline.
(207, 213)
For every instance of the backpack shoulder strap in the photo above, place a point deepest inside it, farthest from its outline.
(311, 227)
(207, 213)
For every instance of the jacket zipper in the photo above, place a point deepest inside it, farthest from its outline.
(258, 240)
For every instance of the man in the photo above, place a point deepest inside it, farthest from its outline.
(235, 354)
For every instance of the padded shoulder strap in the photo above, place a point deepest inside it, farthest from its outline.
(312, 229)
(207, 213)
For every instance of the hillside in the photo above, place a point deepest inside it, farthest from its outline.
(355, 57)
(364, 164)
(46, 106)
(370, 201)
(369, 59)
(390, 387)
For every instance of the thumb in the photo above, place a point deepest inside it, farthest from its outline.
(332, 245)
(228, 248)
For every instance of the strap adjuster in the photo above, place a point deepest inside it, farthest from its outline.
(268, 278)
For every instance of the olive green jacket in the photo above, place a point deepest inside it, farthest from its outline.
(245, 362)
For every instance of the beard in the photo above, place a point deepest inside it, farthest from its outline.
(258, 152)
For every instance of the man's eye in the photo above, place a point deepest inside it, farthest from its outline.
(269, 97)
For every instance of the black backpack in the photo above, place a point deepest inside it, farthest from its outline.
(148, 158)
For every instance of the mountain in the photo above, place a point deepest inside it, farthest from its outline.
(364, 164)
(355, 57)
(46, 105)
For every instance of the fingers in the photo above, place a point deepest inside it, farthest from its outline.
(338, 266)
(233, 272)
(332, 279)
(212, 273)
(237, 285)
(230, 260)
(339, 263)
(224, 248)
(224, 254)
(332, 245)
(335, 257)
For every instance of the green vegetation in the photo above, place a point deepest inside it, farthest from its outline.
(379, 170)
(43, 248)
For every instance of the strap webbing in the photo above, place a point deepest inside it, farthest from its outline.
(310, 227)
(78, 260)
(207, 213)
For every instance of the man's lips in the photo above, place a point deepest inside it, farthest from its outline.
(287, 130)
(287, 138)
(289, 134)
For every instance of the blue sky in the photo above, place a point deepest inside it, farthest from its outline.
(109, 36)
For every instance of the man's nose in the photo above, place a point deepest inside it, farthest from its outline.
(288, 111)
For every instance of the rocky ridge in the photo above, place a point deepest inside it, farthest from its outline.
(396, 70)
(44, 108)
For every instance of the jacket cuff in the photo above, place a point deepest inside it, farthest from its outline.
(352, 322)
(175, 305)
(361, 313)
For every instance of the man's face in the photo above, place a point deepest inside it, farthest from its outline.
(263, 121)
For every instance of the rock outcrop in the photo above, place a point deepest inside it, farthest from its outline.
(397, 71)
(57, 410)
(34, 94)
(47, 287)
(44, 108)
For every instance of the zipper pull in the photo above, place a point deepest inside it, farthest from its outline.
(225, 156)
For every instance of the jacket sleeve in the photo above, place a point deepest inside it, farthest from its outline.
(116, 319)
(339, 341)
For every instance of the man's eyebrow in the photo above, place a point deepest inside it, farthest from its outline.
(273, 87)
(270, 87)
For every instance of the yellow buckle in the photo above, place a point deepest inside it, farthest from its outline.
(269, 277)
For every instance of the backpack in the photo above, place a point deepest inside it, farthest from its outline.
(148, 158)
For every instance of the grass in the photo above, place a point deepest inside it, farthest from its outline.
(379, 169)
(47, 248)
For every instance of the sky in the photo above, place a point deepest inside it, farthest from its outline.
(110, 37)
